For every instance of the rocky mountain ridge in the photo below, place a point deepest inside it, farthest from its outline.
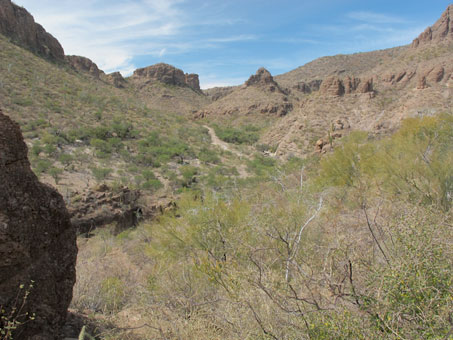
(19, 25)
(379, 84)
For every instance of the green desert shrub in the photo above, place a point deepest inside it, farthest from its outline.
(245, 135)
(101, 174)
(207, 155)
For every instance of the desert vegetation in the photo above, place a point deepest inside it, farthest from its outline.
(355, 245)
(313, 205)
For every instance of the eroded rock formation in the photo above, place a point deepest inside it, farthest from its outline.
(334, 86)
(262, 78)
(169, 75)
(37, 242)
(19, 25)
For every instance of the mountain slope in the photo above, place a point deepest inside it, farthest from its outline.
(371, 91)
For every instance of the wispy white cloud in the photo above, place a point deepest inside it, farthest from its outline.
(242, 37)
(110, 35)
(376, 18)
(113, 33)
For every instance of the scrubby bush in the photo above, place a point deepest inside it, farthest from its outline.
(208, 156)
(245, 135)
(101, 174)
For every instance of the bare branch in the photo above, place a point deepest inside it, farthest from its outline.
(374, 236)
(297, 242)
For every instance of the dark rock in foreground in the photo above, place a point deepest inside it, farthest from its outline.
(37, 242)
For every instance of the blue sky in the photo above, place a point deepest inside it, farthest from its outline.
(228, 40)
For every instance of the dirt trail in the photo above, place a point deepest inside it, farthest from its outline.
(216, 140)
(225, 146)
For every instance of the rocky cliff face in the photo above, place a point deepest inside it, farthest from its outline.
(37, 242)
(19, 25)
(167, 74)
(441, 30)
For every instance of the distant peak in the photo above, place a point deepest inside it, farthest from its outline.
(441, 30)
(264, 80)
(262, 76)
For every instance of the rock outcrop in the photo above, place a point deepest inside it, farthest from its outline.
(334, 86)
(400, 77)
(82, 64)
(19, 25)
(192, 81)
(103, 205)
(95, 208)
(436, 74)
(326, 144)
(308, 87)
(37, 243)
(279, 110)
(262, 78)
(116, 79)
(169, 75)
(441, 30)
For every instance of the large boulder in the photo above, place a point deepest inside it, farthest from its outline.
(37, 243)
(19, 25)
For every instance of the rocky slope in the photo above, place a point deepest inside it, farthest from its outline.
(370, 91)
(37, 244)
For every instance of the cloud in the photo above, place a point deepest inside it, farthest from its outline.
(110, 33)
(162, 52)
(376, 18)
(114, 32)
(242, 37)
